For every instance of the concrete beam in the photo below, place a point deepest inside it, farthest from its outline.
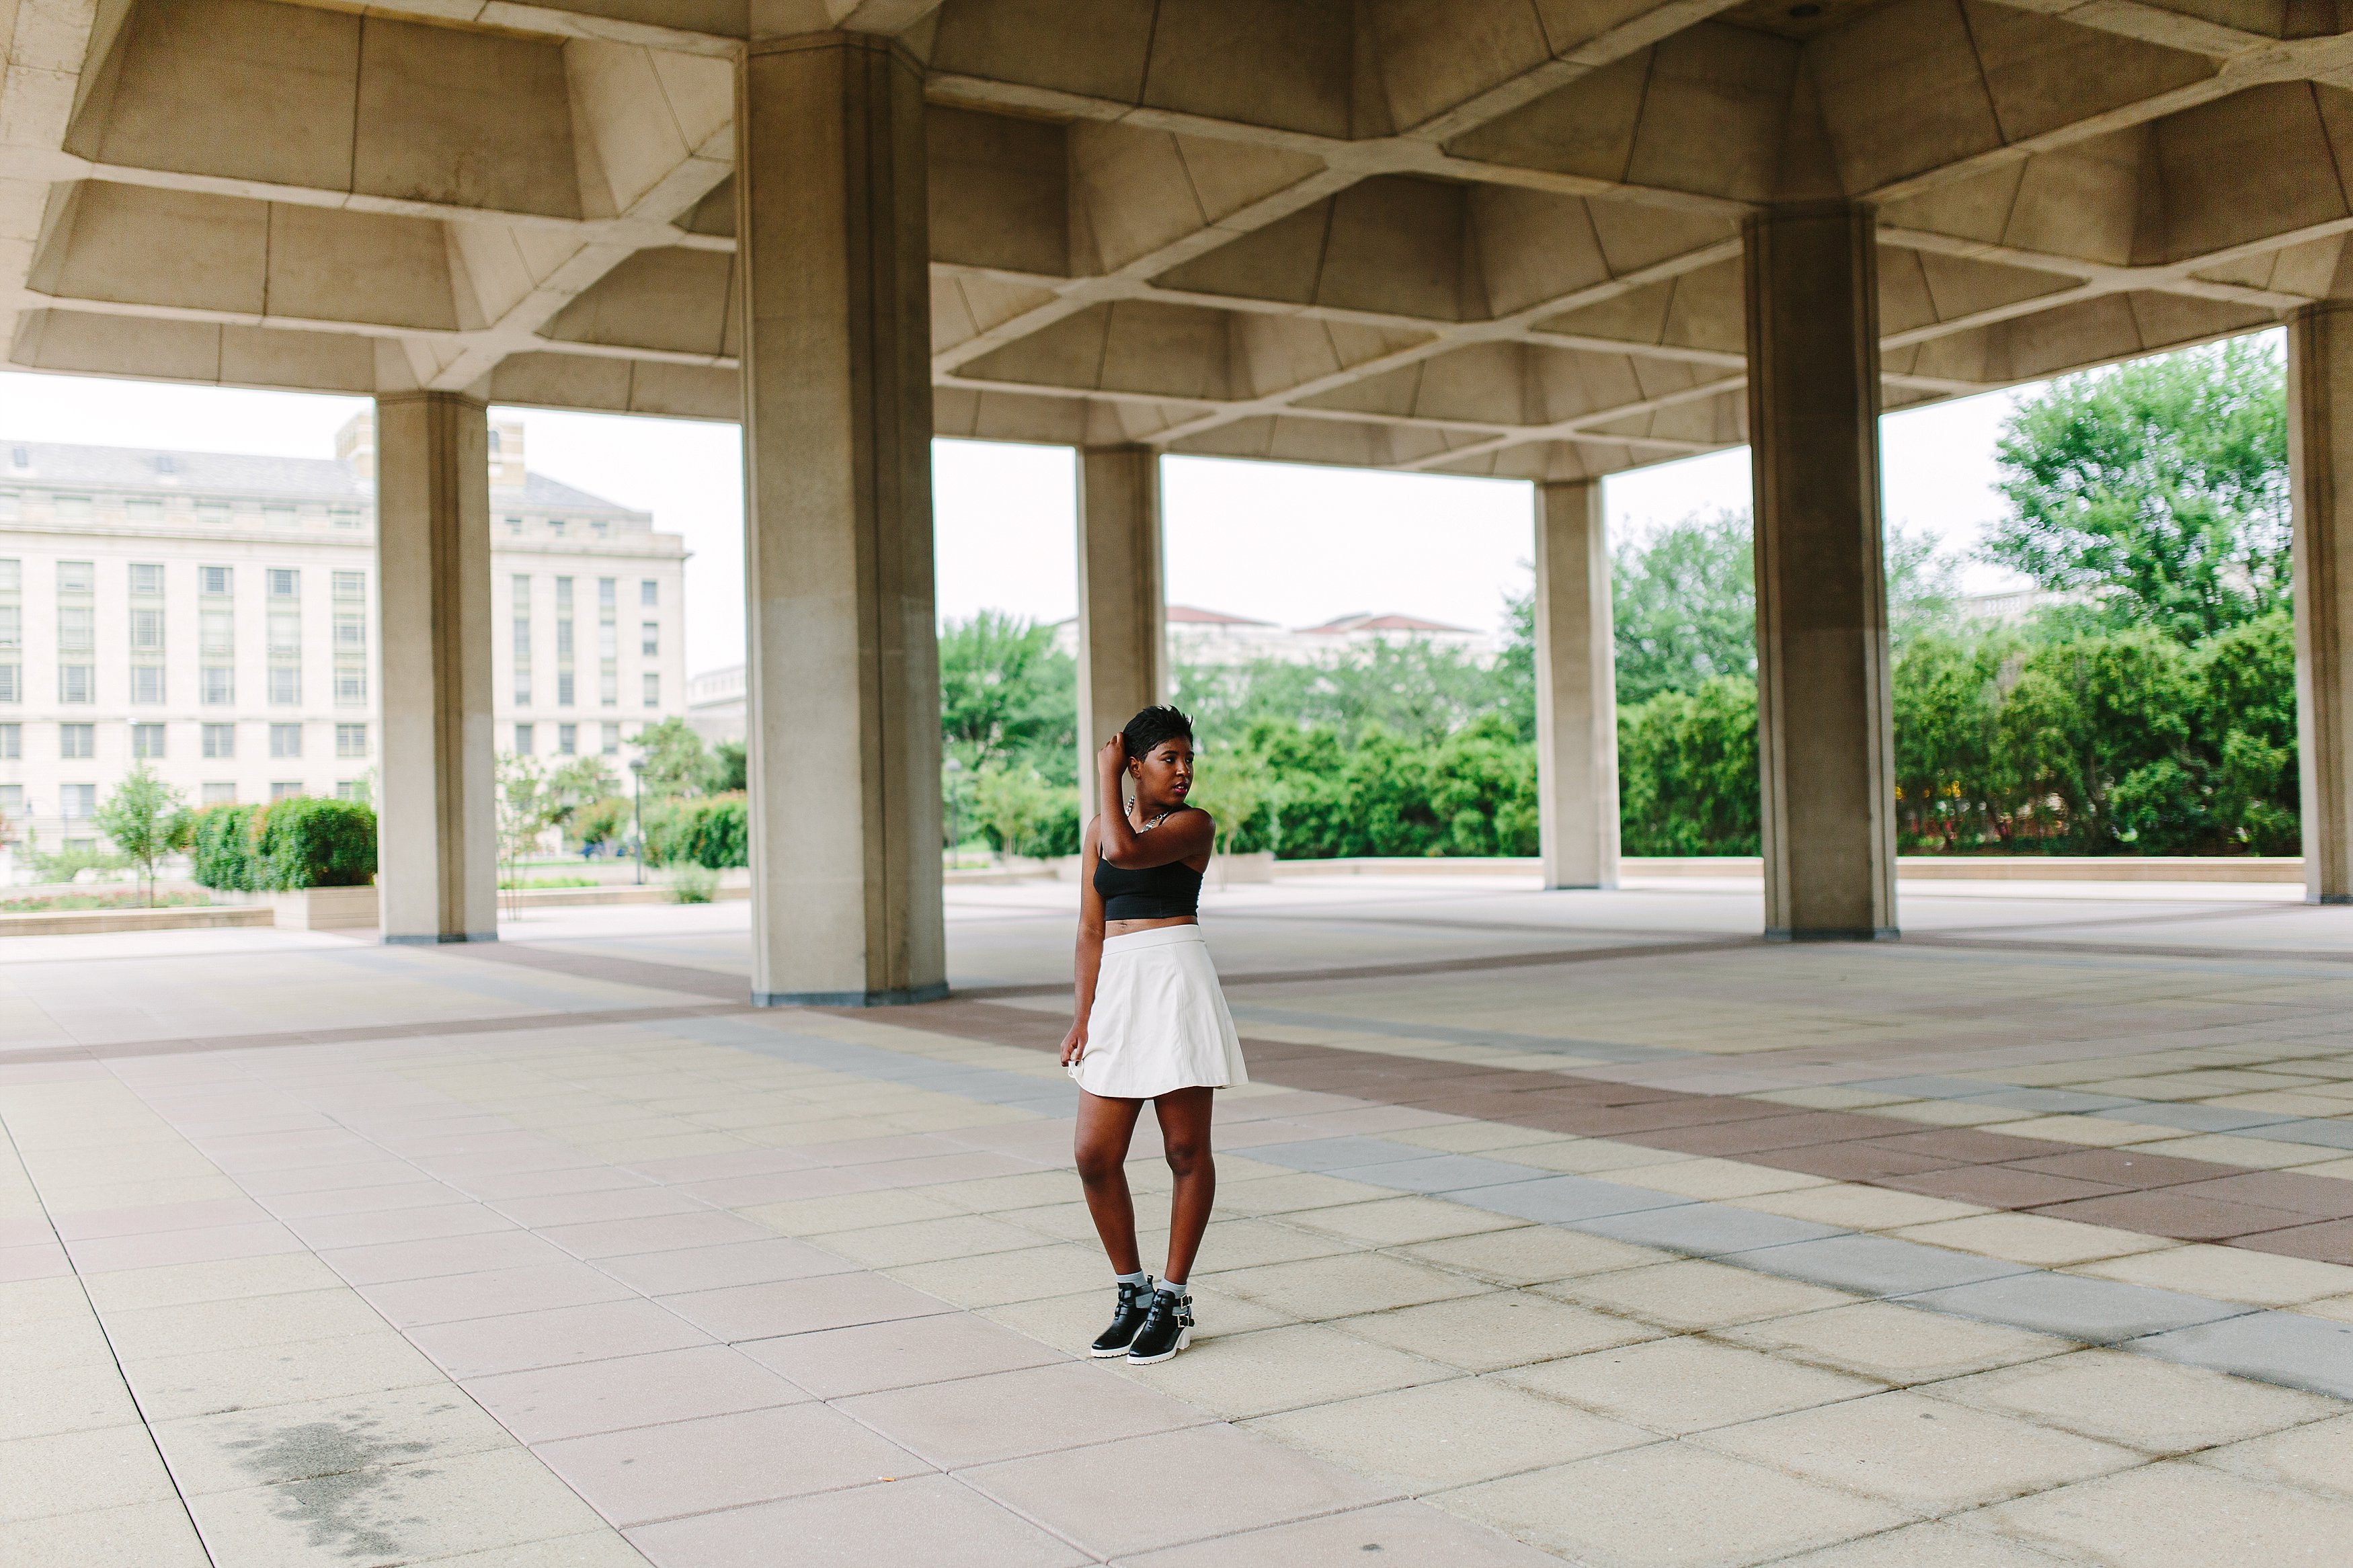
(1122, 611)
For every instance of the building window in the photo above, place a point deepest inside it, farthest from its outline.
(568, 740)
(523, 687)
(216, 630)
(77, 741)
(563, 640)
(12, 743)
(76, 683)
(286, 740)
(608, 689)
(351, 740)
(73, 509)
(285, 583)
(351, 631)
(612, 746)
(285, 633)
(649, 638)
(343, 516)
(12, 800)
(278, 516)
(214, 582)
(12, 683)
(219, 687)
(219, 741)
(214, 513)
(285, 789)
(77, 629)
(286, 687)
(351, 685)
(146, 629)
(11, 506)
(563, 689)
(147, 577)
(77, 803)
(648, 593)
(608, 591)
(146, 683)
(514, 525)
(143, 509)
(76, 577)
(608, 641)
(146, 740)
(653, 691)
(522, 740)
(555, 526)
(218, 795)
(349, 789)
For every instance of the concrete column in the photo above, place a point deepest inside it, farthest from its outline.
(1123, 616)
(843, 672)
(1826, 737)
(2321, 473)
(1577, 688)
(437, 832)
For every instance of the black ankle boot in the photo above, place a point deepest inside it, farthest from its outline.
(1168, 1329)
(1134, 1307)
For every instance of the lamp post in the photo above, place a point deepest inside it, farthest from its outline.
(638, 812)
(954, 768)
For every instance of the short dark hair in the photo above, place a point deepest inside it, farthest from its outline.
(1154, 725)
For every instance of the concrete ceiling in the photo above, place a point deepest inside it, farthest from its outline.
(1488, 236)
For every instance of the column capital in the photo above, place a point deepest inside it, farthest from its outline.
(789, 42)
(430, 395)
(1812, 210)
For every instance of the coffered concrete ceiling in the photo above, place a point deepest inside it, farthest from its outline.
(1493, 236)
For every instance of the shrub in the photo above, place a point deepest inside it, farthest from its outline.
(306, 842)
(692, 884)
(221, 849)
(714, 832)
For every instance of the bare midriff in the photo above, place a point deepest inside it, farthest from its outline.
(1129, 928)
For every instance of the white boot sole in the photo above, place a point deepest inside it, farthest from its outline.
(1183, 1338)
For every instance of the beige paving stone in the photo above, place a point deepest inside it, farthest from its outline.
(1927, 1455)
(595, 1549)
(998, 1278)
(145, 1333)
(959, 1422)
(240, 1448)
(990, 1195)
(1231, 1244)
(2184, 1515)
(1498, 1330)
(181, 1284)
(27, 1301)
(80, 1397)
(1895, 1344)
(1851, 1206)
(2315, 1457)
(1946, 1113)
(73, 1472)
(926, 1241)
(206, 1382)
(1696, 1294)
(1289, 1194)
(2230, 1274)
(2255, 1153)
(1395, 1222)
(433, 1508)
(1347, 1285)
(1471, 1137)
(1591, 1156)
(2033, 1239)
(1070, 1323)
(58, 1340)
(1934, 1546)
(1534, 1255)
(1705, 1178)
(1831, 1097)
(1671, 1505)
(2149, 1404)
(1687, 1384)
(1451, 1434)
(1407, 1532)
(2096, 1131)
(1284, 1368)
(912, 1520)
(147, 1535)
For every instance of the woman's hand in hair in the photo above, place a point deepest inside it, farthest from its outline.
(1112, 760)
(1074, 1044)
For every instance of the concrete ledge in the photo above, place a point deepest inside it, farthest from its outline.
(901, 996)
(85, 922)
(566, 898)
(1910, 867)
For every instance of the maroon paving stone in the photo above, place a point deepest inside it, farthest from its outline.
(2123, 1168)
(2166, 1212)
(2325, 1197)
(1845, 1161)
(1759, 1135)
(2330, 1241)
(1998, 1187)
(1966, 1146)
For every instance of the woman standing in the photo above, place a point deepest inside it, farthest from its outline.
(1151, 1023)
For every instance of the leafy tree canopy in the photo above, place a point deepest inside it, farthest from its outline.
(2157, 492)
(1007, 693)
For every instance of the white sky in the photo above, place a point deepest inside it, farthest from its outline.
(1289, 544)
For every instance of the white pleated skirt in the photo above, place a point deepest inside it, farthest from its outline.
(1159, 1021)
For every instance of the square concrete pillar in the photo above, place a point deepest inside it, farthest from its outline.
(1825, 739)
(1123, 613)
(2320, 475)
(436, 820)
(843, 672)
(1577, 688)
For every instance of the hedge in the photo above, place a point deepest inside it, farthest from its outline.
(284, 846)
(714, 831)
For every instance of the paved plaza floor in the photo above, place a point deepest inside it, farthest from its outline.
(1553, 1227)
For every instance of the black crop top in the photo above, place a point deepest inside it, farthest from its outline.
(1148, 893)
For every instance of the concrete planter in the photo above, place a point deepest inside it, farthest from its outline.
(324, 909)
(1258, 866)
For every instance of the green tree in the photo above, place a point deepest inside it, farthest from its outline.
(575, 788)
(676, 762)
(1007, 693)
(730, 772)
(145, 818)
(1684, 600)
(2157, 491)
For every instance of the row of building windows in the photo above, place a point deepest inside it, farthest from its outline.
(213, 741)
(70, 506)
(609, 642)
(216, 685)
(605, 737)
(79, 802)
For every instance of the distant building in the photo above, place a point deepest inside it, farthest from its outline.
(1211, 637)
(1345, 630)
(213, 616)
(716, 703)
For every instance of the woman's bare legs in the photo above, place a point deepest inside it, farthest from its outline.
(1185, 1135)
(1106, 1128)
